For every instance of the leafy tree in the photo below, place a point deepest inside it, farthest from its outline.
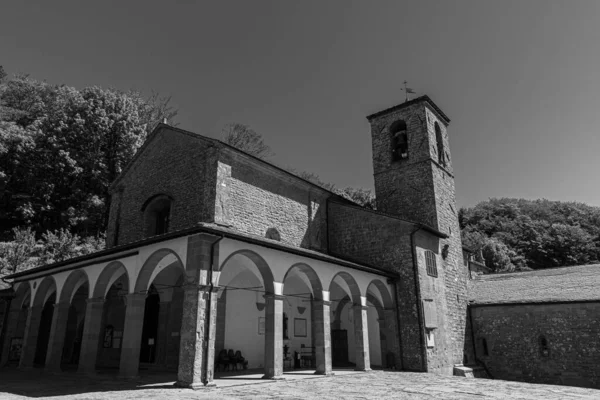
(538, 233)
(24, 252)
(246, 139)
(497, 255)
(60, 148)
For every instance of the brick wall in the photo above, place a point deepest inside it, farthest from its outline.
(513, 332)
(172, 163)
(253, 197)
(383, 242)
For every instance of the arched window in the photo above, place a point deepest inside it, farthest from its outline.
(430, 263)
(440, 144)
(273, 233)
(157, 214)
(544, 350)
(399, 140)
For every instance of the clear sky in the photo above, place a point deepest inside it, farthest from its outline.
(519, 79)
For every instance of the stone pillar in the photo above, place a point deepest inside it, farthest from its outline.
(132, 335)
(11, 327)
(274, 336)
(193, 339)
(32, 328)
(163, 332)
(322, 339)
(392, 338)
(58, 331)
(92, 329)
(361, 338)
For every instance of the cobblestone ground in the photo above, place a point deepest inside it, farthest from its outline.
(372, 385)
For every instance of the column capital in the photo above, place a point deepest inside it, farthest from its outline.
(360, 307)
(322, 302)
(62, 304)
(135, 295)
(95, 300)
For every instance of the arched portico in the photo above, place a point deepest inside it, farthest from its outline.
(245, 310)
(16, 322)
(343, 284)
(383, 312)
(38, 325)
(307, 307)
(67, 322)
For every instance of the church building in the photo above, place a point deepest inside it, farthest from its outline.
(214, 255)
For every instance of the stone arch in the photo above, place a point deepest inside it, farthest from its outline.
(22, 293)
(108, 276)
(377, 304)
(75, 280)
(156, 212)
(261, 264)
(46, 288)
(338, 311)
(355, 294)
(386, 297)
(311, 275)
(149, 272)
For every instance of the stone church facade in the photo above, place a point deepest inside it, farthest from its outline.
(210, 249)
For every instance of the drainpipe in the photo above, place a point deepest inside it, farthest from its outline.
(398, 323)
(208, 313)
(418, 294)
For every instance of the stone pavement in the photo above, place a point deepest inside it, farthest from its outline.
(372, 385)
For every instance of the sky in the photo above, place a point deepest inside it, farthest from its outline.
(519, 79)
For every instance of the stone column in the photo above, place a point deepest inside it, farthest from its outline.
(361, 338)
(58, 331)
(392, 338)
(132, 335)
(195, 341)
(322, 339)
(274, 336)
(163, 332)
(11, 327)
(32, 328)
(92, 329)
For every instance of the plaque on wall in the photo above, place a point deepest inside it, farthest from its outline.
(300, 327)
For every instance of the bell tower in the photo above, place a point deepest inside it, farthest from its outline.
(412, 164)
(414, 180)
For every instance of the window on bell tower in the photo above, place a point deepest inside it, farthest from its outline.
(440, 144)
(399, 140)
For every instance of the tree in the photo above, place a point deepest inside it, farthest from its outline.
(497, 255)
(538, 233)
(246, 139)
(61, 148)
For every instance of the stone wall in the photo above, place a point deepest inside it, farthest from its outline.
(421, 189)
(384, 242)
(513, 337)
(256, 198)
(174, 163)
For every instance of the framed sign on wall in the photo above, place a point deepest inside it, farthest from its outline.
(300, 327)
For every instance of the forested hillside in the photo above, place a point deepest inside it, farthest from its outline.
(518, 234)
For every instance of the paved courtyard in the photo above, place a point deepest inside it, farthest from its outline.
(345, 385)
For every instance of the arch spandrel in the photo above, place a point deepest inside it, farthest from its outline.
(74, 281)
(349, 284)
(154, 265)
(308, 275)
(382, 292)
(259, 262)
(109, 275)
(45, 289)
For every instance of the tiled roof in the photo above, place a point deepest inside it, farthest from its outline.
(567, 284)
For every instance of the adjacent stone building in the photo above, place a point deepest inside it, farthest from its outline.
(212, 251)
(538, 326)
